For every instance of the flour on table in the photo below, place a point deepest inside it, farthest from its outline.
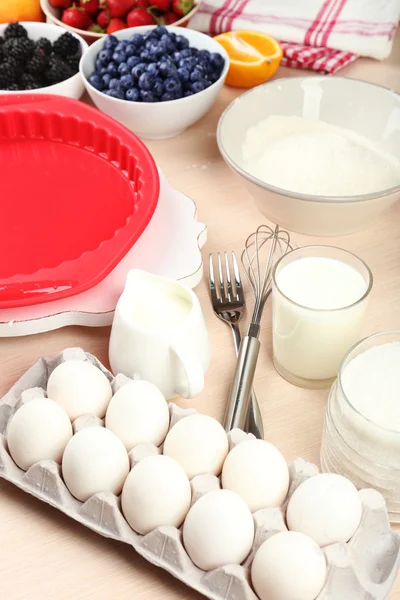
(314, 157)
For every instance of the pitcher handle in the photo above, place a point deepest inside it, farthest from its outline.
(194, 383)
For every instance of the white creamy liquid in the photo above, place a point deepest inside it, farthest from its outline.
(316, 158)
(371, 382)
(311, 337)
(163, 308)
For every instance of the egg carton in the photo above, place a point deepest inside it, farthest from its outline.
(363, 569)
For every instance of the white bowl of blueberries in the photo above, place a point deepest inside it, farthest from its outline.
(157, 81)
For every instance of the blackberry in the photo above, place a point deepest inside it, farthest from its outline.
(73, 61)
(19, 48)
(38, 63)
(29, 82)
(58, 70)
(15, 30)
(14, 87)
(45, 45)
(66, 45)
(7, 75)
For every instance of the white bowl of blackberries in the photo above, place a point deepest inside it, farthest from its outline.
(157, 81)
(38, 57)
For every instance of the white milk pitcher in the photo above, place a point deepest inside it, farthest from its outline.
(159, 333)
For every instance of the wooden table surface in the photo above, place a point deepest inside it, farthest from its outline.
(43, 554)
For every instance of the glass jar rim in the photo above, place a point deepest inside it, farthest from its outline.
(324, 310)
(344, 363)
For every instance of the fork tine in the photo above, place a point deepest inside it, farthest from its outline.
(213, 290)
(221, 279)
(228, 278)
(238, 281)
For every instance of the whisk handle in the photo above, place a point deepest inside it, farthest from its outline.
(239, 399)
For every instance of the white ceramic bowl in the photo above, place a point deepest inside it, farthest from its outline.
(367, 109)
(53, 15)
(72, 87)
(158, 120)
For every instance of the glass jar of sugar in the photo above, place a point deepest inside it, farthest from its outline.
(361, 437)
(319, 300)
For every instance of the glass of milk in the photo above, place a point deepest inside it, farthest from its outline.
(319, 299)
(361, 438)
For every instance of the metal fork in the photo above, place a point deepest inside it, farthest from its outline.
(228, 302)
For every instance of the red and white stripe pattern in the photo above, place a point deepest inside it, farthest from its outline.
(322, 35)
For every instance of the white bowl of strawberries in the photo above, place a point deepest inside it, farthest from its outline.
(92, 19)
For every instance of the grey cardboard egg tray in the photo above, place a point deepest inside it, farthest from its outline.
(363, 569)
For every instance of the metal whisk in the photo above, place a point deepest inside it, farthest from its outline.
(262, 250)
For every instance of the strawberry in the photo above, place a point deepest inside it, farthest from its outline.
(61, 3)
(120, 8)
(169, 18)
(182, 7)
(115, 25)
(76, 17)
(139, 16)
(90, 6)
(163, 5)
(141, 4)
(103, 18)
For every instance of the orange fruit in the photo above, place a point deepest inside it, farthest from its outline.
(20, 10)
(254, 57)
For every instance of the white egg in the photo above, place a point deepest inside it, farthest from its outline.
(288, 566)
(218, 530)
(156, 492)
(258, 472)
(80, 388)
(199, 443)
(138, 413)
(39, 430)
(327, 507)
(95, 460)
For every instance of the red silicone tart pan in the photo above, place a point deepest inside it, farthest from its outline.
(77, 189)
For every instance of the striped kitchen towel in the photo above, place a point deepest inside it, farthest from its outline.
(322, 35)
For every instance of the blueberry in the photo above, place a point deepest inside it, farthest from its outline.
(172, 85)
(184, 74)
(123, 68)
(160, 31)
(96, 81)
(169, 44)
(176, 57)
(136, 39)
(146, 81)
(158, 87)
(188, 63)
(153, 69)
(116, 94)
(147, 96)
(133, 95)
(145, 55)
(187, 93)
(122, 44)
(197, 73)
(118, 57)
(182, 42)
(204, 54)
(198, 86)
(167, 69)
(139, 70)
(186, 52)
(115, 84)
(127, 81)
(217, 61)
(130, 50)
(103, 70)
(112, 69)
(172, 36)
(106, 79)
(133, 61)
(167, 97)
(105, 56)
(110, 42)
(99, 64)
(214, 77)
